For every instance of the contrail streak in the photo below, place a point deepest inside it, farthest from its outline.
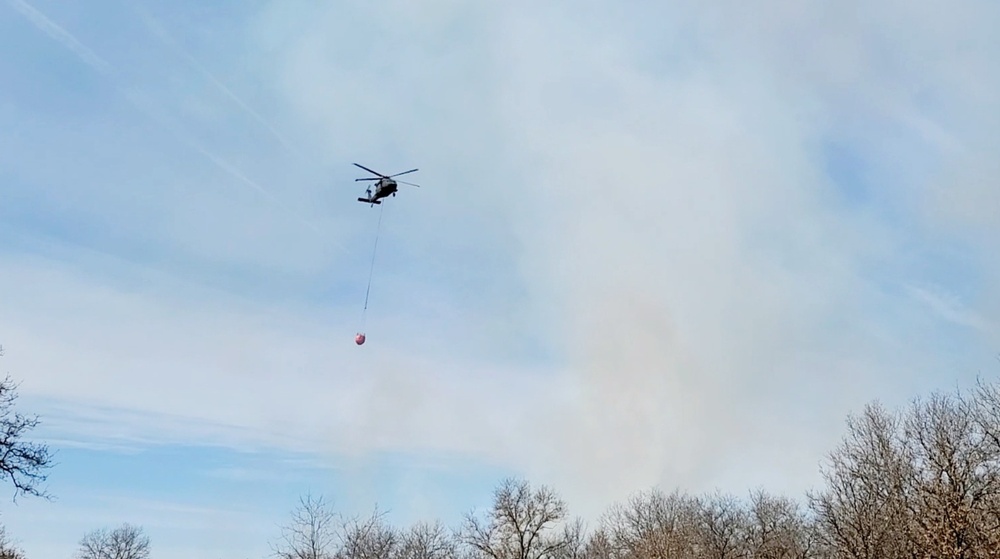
(53, 30)
(140, 101)
(168, 40)
(58, 33)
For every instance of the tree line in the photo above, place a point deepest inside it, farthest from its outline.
(918, 482)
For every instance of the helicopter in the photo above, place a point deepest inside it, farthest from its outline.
(385, 186)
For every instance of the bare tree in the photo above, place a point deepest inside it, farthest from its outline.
(598, 546)
(311, 533)
(956, 480)
(426, 541)
(124, 542)
(722, 522)
(371, 538)
(986, 412)
(862, 514)
(985, 409)
(921, 484)
(519, 526)
(654, 524)
(7, 548)
(574, 534)
(24, 463)
(778, 528)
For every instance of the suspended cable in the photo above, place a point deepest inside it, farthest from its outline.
(360, 338)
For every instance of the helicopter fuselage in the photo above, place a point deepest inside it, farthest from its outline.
(383, 189)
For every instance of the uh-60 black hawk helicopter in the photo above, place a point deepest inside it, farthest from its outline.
(385, 186)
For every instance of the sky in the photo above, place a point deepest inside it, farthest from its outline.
(664, 244)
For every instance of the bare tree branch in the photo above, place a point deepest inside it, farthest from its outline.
(22, 462)
(862, 512)
(124, 542)
(426, 541)
(371, 538)
(7, 548)
(311, 533)
(520, 524)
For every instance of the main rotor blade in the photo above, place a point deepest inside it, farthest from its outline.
(370, 171)
(409, 183)
(404, 172)
(368, 179)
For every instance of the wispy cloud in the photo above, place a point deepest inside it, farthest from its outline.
(246, 475)
(949, 307)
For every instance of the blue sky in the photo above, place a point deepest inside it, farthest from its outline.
(655, 244)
